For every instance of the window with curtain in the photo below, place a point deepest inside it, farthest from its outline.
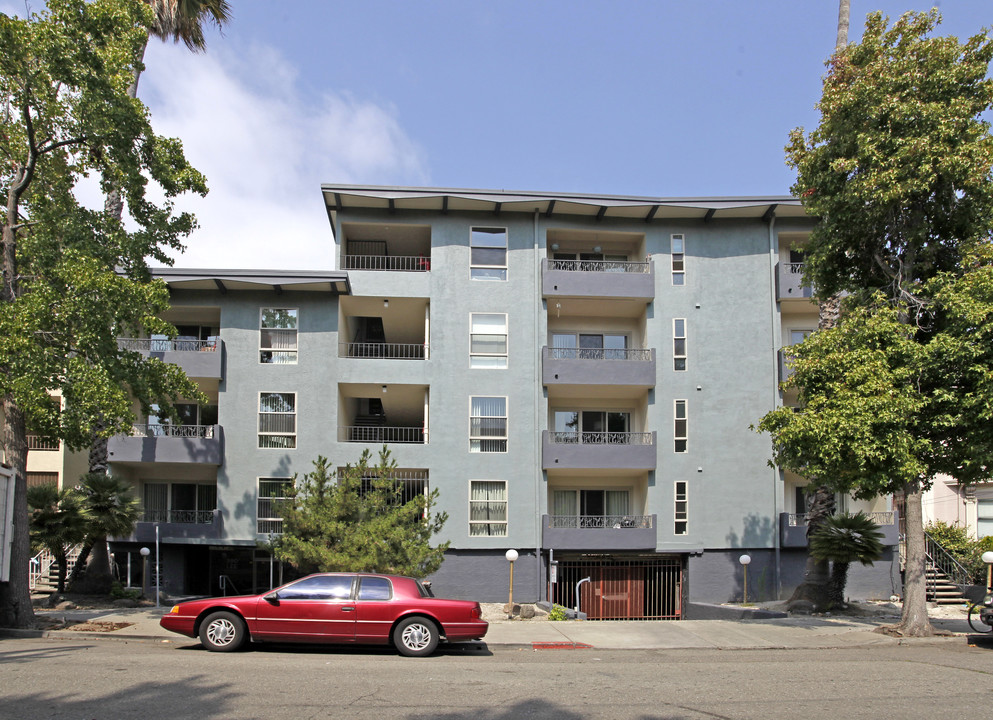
(488, 340)
(488, 424)
(488, 253)
(277, 420)
(155, 500)
(278, 336)
(487, 508)
(592, 508)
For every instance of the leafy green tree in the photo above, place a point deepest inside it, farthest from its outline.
(59, 520)
(899, 174)
(113, 511)
(359, 522)
(842, 540)
(73, 278)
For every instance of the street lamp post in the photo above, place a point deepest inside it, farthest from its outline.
(511, 556)
(745, 560)
(145, 552)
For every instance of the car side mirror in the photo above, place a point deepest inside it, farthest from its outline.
(272, 598)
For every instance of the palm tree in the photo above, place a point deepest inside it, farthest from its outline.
(58, 520)
(815, 588)
(181, 21)
(842, 540)
(113, 512)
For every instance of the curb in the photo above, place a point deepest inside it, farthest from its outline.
(18, 633)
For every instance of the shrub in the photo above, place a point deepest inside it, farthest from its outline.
(954, 538)
(118, 591)
(557, 613)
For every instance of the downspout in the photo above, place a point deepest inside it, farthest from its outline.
(777, 501)
(536, 449)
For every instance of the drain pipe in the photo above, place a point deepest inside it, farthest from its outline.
(536, 449)
(584, 580)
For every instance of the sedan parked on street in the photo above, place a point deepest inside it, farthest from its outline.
(360, 608)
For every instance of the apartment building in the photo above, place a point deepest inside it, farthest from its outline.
(576, 375)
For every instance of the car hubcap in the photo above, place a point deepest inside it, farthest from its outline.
(220, 632)
(416, 637)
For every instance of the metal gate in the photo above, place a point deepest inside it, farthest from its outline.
(636, 589)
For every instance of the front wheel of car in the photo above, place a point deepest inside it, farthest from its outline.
(223, 632)
(416, 637)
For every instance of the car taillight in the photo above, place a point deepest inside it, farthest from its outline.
(476, 612)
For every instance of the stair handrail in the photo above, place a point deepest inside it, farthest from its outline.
(944, 561)
(41, 564)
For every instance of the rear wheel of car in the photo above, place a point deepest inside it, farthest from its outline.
(416, 637)
(223, 632)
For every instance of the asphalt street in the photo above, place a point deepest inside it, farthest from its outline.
(150, 679)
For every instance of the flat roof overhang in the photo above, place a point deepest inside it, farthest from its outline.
(333, 282)
(444, 200)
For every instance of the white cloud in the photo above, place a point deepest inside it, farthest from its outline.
(265, 149)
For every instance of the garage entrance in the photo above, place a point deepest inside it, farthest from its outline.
(636, 589)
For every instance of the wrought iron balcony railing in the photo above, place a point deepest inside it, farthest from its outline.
(599, 522)
(401, 263)
(383, 350)
(880, 518)
(600, 354)
(382, 434)
(181, 431)
(615, 266)
(39, 443)
(158, 345)
(184, 517)
(600, 438)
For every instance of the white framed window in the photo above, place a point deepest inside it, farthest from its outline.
(488, 253)
(277, 420)
(798, 336)
(272, 491)
(487, 424)
(679, 425)
(278, 336)
(677, 247)
(488, 340)
(680, 511)
(487, 508)
(679, 344)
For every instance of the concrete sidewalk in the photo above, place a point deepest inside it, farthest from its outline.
(794, 632)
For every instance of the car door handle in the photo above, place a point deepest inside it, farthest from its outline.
(348, 609)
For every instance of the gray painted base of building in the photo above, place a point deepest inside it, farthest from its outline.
(717, 576)
(484, 575)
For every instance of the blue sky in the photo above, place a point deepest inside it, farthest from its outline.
(617, 97)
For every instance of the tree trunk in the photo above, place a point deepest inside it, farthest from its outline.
(839, 579)
(80, 567)
(844, 10)
(814, 593)
(914, 622)
(15, 594)
(97, 578)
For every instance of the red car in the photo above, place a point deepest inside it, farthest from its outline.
(332, 608)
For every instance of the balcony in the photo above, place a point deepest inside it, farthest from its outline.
(153, 443)
(789, 282)
(387, 263)
(598, 278)
(793, 528)
(177, 525)
(383, 350)
(598, 532)
(197, 358)
(578, 450)
(598, 366)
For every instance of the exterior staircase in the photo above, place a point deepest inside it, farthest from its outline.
(43, 577)
(941, 589)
